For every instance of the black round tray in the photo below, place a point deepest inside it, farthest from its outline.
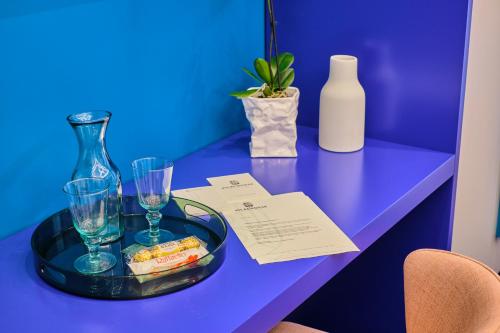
(56, 244)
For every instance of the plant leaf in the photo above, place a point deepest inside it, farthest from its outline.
(262, 69)
(285, 60)
(284, 79)
(244, 93)
(252, 75)
(267, 91)
(287, 79)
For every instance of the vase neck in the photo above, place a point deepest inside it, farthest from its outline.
(343, 68)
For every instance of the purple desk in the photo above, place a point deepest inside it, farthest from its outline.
(365, 193)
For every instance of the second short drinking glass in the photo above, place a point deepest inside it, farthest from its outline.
(152, 176)
(88, 199)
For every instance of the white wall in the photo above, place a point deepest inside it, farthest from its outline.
(479, 166)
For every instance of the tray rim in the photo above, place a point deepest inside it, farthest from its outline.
(52, 266)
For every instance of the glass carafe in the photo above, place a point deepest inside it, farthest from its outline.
(93, 161)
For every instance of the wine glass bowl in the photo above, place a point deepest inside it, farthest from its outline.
(88, 206)
(152, 202)
(152, 177)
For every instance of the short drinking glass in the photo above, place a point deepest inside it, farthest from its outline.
(87, 202)
(152, 176)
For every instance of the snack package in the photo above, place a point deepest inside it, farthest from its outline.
(166, 249)
(149, 263)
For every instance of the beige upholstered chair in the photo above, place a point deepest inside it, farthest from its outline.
(444, 292)
(288, 327)
(448, 292)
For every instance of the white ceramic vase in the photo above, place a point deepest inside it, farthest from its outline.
(272, 120)
(342, 107)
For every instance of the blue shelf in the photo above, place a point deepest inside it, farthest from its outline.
(365, 193)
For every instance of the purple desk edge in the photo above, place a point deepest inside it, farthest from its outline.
(365, 193)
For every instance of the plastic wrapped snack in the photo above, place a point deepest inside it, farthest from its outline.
(166, 258)
(168, 248)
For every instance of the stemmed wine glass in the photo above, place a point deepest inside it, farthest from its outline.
(88, 206)
(152, 176)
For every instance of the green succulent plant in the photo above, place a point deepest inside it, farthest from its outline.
(275, 75)
(274, 78)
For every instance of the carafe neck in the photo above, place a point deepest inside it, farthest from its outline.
(90, 130)
(91, 137)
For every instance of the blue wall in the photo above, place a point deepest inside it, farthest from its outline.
(411, 57)
(164, 68)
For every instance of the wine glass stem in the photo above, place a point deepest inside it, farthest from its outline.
(154, 217)
(93, 246)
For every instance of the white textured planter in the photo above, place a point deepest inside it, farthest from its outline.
(342, 107)
(272, 120)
